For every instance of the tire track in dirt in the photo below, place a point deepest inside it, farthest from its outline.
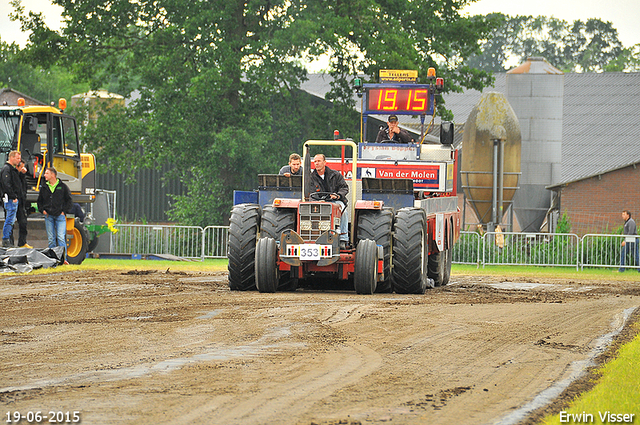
(341, 367)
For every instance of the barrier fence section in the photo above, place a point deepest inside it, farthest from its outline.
(215, 241)
(533, 249)
(607, 251)
(468, 249)
(492, 248)
(181, 241)
(512, 248)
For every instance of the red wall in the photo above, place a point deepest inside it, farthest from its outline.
(595, 205)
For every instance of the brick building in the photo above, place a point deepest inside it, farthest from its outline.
(11, 96)
(594, 204)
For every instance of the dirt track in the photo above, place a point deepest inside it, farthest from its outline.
(180, 348)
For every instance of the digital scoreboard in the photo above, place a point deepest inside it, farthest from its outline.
(403, 99)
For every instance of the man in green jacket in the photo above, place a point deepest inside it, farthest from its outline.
(54, 201)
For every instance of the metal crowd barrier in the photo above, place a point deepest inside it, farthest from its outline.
(606, 251)
(492, 248)
(533, 249)
(215, 241)
(468, 249)
(137, 239)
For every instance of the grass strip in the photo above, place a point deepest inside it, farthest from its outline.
(615, 395)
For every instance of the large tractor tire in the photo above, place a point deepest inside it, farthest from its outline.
(266, 265)
(376, 225)
(274, 222)
(77, 243)
(366, 270)
(243, 233)
(440, 264)
(410, 252)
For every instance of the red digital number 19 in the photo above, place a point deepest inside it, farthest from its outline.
(387, 100)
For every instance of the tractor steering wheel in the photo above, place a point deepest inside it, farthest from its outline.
(321, 196)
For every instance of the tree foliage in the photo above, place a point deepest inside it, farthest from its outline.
(213, 84)
(581, 46)
(45, 84)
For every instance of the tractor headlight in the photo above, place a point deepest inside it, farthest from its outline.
(324, 225)
(305, 224)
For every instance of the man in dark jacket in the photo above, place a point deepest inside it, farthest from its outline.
(324, 179)
(630, 241)
(393, 132)
(22, 206)
(11, 189)
(54, 200)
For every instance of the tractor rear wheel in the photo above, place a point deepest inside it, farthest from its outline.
(440, 265)
(377, 226)
(243, 232)
(366, 267)
(77, 243)
(410, 252)
(266, 265)
(274, 222)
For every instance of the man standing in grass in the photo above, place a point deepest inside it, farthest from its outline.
(629, 243)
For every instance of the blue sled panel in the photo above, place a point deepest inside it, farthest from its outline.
(390, 200)
(395, 193)
(268, 195)
(244, 197)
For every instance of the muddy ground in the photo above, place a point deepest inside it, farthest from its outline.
(175, 347)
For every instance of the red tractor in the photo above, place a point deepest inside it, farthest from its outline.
(403, 218)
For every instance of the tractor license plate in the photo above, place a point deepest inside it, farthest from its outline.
(309, 251)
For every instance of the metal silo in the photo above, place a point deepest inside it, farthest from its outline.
(491, 158)
(535, 90)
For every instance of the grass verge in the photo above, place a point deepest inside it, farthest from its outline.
(614, 391)
(595, 273)
(208, 265)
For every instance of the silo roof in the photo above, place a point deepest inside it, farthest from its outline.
(535, 65)
(101, 94)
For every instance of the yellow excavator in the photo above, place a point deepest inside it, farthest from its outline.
(46, 136)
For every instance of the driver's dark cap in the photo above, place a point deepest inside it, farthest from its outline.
(393, 118)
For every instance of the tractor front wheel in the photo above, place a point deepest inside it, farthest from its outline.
(377, 226)
(366, 267)
(440, 265)
(266, 265)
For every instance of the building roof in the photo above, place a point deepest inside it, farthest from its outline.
(11, 97)
(601, 128)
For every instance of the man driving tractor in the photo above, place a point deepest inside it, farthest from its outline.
(324, 179)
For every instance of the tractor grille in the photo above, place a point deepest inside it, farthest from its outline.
(315, 219)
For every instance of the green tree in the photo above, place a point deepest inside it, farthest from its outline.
(217, 82)
(582, 46)
(47, 85)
